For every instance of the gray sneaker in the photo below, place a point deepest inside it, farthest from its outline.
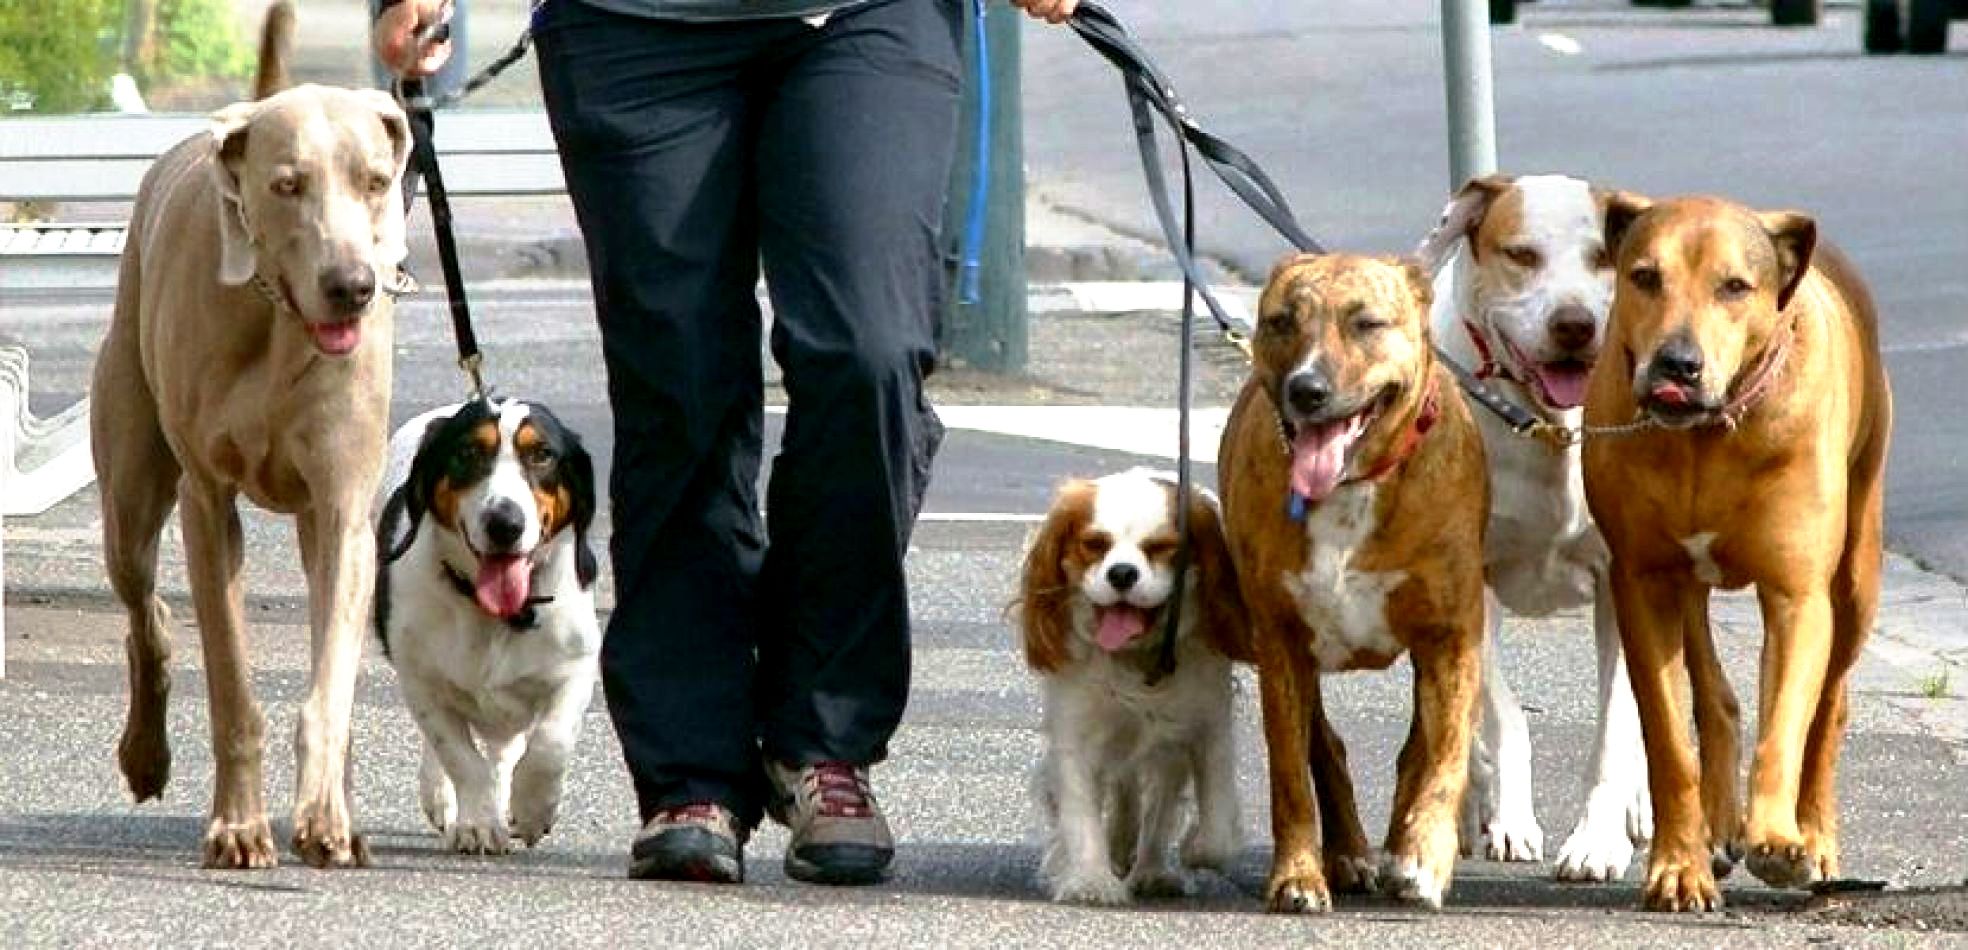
(700, 841)
(839, 834)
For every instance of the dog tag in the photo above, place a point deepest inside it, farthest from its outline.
(1295, 505)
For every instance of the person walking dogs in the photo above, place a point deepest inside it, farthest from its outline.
(702, 140)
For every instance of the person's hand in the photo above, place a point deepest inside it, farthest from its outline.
(1051, 11)
(395, 37)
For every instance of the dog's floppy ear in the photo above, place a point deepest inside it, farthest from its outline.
(1795, 236)
(1226, 625)
(1622, 209)
(412, 499)
(1460, 219)
(392, 241)
(577, 469)
(1045, 590)
(237, 259)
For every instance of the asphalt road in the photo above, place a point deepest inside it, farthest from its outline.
(1342, 101)
(1360, 151)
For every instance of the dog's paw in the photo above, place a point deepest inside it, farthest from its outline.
(144, 756)
(1298, 894)
(1352, 873)
(1096, 886)
(1598, 850)
(1404, 878)
(477, 836)
(1149, 883)
(324, 839)
(1677, 884)
(1783, 863)
(246, 844)
(1514, 838)
(1214, 849)
(439, 803)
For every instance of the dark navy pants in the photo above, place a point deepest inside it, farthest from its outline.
(695, 154)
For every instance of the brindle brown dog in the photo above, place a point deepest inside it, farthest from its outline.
(1355, 495)
(1752, 350)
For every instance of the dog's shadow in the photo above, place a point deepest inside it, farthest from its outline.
(163, 848)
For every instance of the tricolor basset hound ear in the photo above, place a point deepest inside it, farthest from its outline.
(1046, 590)
(1460, 219)
(1225, 623)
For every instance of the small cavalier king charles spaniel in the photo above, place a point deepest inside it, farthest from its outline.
(1124, 739)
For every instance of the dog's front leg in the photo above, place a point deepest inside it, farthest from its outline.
(536, 781)
(1797, 634)
(1652, 625)
(340, 556)
(1151, 874)
(1080, 866)
(1618, 814)
(1287, 686)
(1434, 763)
(478, 826)
(1212, 842)
(237, 835)
(1508, 819)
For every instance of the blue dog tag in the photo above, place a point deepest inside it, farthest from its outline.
(1295, 506)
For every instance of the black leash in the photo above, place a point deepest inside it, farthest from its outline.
(1151, 96)
(417, 105)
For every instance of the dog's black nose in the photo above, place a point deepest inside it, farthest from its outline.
(348, 287)
(504, 523)
(1679, 360)
(1308, 392)
(1123, 576)
(1572, 327)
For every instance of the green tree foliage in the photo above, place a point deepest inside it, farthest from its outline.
(58, 55)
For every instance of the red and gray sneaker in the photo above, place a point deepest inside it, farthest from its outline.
(839, 834)
(699, 841)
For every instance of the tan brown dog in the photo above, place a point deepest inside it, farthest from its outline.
(1755, 364)
(1355, 493)
(249, 354)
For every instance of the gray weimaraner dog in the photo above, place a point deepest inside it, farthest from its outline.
(250, 354)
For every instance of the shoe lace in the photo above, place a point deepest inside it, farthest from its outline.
(690, 811)
(838, 790)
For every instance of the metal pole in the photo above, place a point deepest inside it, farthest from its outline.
(1471, 93)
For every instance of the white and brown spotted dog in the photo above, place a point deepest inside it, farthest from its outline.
(485, 606)
(1354, 496)
(1124, 739)
(1525, 309)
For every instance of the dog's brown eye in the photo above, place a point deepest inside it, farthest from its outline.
(1370, 323)
(1734, 288)
(539, 456)
(1280, 322)
(379, 184)
(1601, 259)
(1158, 548)
(1095, 545)
(1646, 277)
(1525, 257)
(286, 186)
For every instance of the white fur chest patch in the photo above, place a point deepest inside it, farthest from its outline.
(1697, 546)
(1346, 608)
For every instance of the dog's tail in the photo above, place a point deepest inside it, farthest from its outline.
(276, 48)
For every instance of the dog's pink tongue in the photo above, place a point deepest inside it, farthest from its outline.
(1564, 384)
(502, 584)
(1117, 626)
(1319, 457)
(337, 339)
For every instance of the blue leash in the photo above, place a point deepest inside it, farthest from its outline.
(972, 251)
